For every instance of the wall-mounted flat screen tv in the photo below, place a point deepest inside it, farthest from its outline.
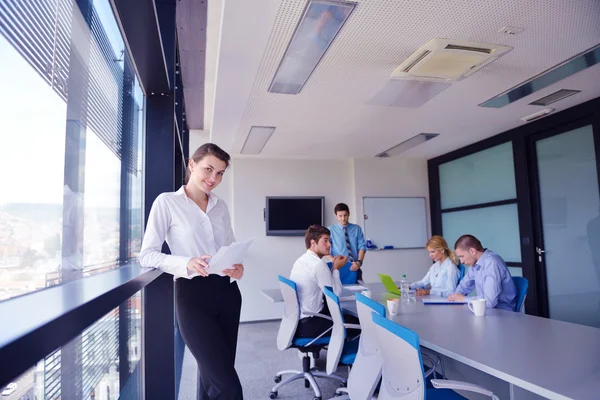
(291, 216)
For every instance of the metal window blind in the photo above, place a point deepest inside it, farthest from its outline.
(40, 31)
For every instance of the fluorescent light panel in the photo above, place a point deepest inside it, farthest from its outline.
(407, 144)
(257, 139)
(407, 93)
(570, 67)
(319, 25)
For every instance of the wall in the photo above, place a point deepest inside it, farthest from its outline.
(339, 181)
(268, 257)
(392, 177)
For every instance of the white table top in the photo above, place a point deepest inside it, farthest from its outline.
(554, 359)
(275, 296)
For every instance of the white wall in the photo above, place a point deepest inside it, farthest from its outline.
(268, 257)
(348, 181)
(392, 177)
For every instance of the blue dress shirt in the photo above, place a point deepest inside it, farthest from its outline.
(492, 280)
(338, 240)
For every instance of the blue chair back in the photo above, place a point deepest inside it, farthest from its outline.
(462, 270)
(291, 313)
(522, 286)
(402, 373)
(366, 370)
(338, 333)
(347, 277)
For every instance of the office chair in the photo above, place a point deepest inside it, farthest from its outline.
(366, 369)
(339, 351)
(286, 340)
(402, 372)
(462, 270)
(522, 286)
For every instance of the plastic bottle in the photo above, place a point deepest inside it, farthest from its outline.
(404, 287)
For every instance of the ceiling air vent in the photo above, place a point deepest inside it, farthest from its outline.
(443, 60)
(554, 97)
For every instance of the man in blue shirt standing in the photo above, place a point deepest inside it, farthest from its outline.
(488, 275)
(348, 240)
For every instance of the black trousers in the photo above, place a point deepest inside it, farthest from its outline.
(208, 313)
(311, 327)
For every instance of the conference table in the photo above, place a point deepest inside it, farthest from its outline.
(553, 359)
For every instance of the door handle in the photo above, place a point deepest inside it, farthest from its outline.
(539, 253)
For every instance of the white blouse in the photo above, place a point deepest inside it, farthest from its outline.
(442, 278)
(189, 232)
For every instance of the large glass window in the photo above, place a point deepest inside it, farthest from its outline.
(88, 367)
(470, 188)
(71, 144)
(481, 177)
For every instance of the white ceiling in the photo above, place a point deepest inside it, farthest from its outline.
(329, 118)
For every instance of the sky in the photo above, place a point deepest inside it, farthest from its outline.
(32, 134)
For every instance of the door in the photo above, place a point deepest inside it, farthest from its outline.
(567, 224)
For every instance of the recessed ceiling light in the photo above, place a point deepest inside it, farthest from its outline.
(320, 23)
(557, 73)
(407, 144)
(257, 139)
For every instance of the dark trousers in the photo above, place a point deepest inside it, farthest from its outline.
(311, 327)
(208, 313)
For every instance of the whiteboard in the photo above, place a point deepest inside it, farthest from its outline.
(396, 221)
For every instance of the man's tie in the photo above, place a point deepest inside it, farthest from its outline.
(348, 245)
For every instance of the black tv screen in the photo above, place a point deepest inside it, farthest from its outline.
(291, 216)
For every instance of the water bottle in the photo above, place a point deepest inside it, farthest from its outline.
(404, 287)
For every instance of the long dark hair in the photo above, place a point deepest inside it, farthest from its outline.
(203, 151)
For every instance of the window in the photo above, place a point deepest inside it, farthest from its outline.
(470, 189)
(71, 145)
(90, 361)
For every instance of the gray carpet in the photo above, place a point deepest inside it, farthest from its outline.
(258, 359)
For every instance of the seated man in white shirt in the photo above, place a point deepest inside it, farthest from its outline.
(311, 274)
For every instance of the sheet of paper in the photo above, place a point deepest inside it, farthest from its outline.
(355, 288)
(227, 256)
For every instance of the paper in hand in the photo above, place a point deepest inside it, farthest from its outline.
(227, 256)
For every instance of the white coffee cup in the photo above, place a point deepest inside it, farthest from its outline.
(478, 306)
(393, 306)
(366, 293)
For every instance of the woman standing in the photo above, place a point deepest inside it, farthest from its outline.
(442, 277)
(195, 223)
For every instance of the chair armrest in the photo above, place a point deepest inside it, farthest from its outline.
(351, 326)
(318, 315)
(434, 364)
(458, 385)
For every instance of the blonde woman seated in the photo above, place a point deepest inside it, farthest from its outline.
(442, 277)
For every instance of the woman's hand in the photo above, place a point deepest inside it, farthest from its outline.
(236, 272)
(422, 292)
(198, 265)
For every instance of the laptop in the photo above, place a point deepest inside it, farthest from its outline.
(389, 284)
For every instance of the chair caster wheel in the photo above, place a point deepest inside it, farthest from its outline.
(306, 383)
(318, 398)
(273, 395)
(277, 378)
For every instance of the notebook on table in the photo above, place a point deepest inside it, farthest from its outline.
(441, 300)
